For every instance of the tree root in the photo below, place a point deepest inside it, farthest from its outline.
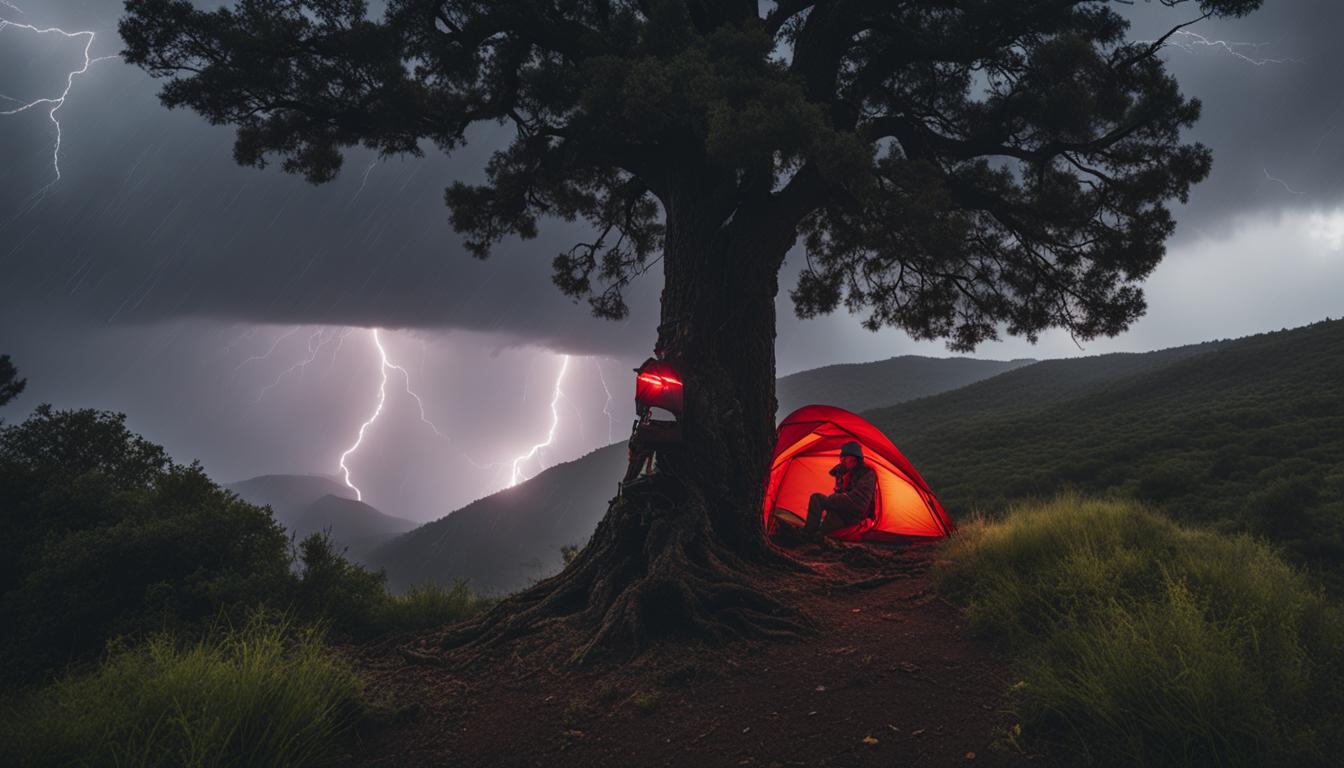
(651, 571)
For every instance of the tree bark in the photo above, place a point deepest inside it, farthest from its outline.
(690, 562)
(720, 282)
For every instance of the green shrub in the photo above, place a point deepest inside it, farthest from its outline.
(569, 553)
(430, 605)
(331, 588)
(105, 535)
(1140, 642)
(357, 602)
(268, 694)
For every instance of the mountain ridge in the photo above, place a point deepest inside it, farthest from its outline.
(306, 504)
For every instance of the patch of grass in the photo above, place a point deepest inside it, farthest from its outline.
(355, 602)
(431, 605)
(267, 694)
(646, 701)
(1143, 642)
(606, 693)
(576, 709)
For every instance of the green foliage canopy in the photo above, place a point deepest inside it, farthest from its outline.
(11, 386)
(952, 166)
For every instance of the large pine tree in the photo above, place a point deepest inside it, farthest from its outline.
(955, 168)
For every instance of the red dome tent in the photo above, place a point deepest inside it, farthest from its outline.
(808, 445)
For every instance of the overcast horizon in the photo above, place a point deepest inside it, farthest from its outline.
(228, 311)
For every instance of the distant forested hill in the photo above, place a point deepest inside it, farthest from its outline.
(504, 540)
(860, 386)
(1248, 432)
(306, 504)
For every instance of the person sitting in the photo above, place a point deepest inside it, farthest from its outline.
(853, 498)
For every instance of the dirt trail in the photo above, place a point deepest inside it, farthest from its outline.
(890, 679)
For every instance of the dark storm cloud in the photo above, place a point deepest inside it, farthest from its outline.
(153, 221)
(1272, 86)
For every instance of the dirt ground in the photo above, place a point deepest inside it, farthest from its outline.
(890, 679)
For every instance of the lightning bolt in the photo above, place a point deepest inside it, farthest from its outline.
(386, 364)
(340, 342)
(244, 336)
(1281, 183)
(269, 352)
(322, 338)
(1191, 40)
(550, 435)
(1188, 41)
(406, 375)
(382, 398)
(362, 182)
(58, 101)
(606, 409)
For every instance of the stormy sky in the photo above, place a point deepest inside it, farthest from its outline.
(228, 311)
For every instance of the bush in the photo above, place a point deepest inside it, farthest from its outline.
(330, 587)
(269, 694)
(105, 535)
(356, 600)
(430, 605)
(1142, 642)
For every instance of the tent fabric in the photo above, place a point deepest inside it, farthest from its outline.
(808, 445)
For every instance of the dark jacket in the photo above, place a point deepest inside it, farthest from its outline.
(859, 486)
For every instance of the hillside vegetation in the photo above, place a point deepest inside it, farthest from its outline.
(122, 574)
(1246, 433)
(1142, 642)
(107, 537)
(267, 693)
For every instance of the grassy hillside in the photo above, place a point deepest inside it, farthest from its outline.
(504, 541)
(1249, 432)
(1141, 642)
(266, 693)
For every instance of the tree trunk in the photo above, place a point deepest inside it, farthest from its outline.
(686, 563)
(722, 289)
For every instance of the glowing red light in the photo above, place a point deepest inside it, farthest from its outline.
(654, 380)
